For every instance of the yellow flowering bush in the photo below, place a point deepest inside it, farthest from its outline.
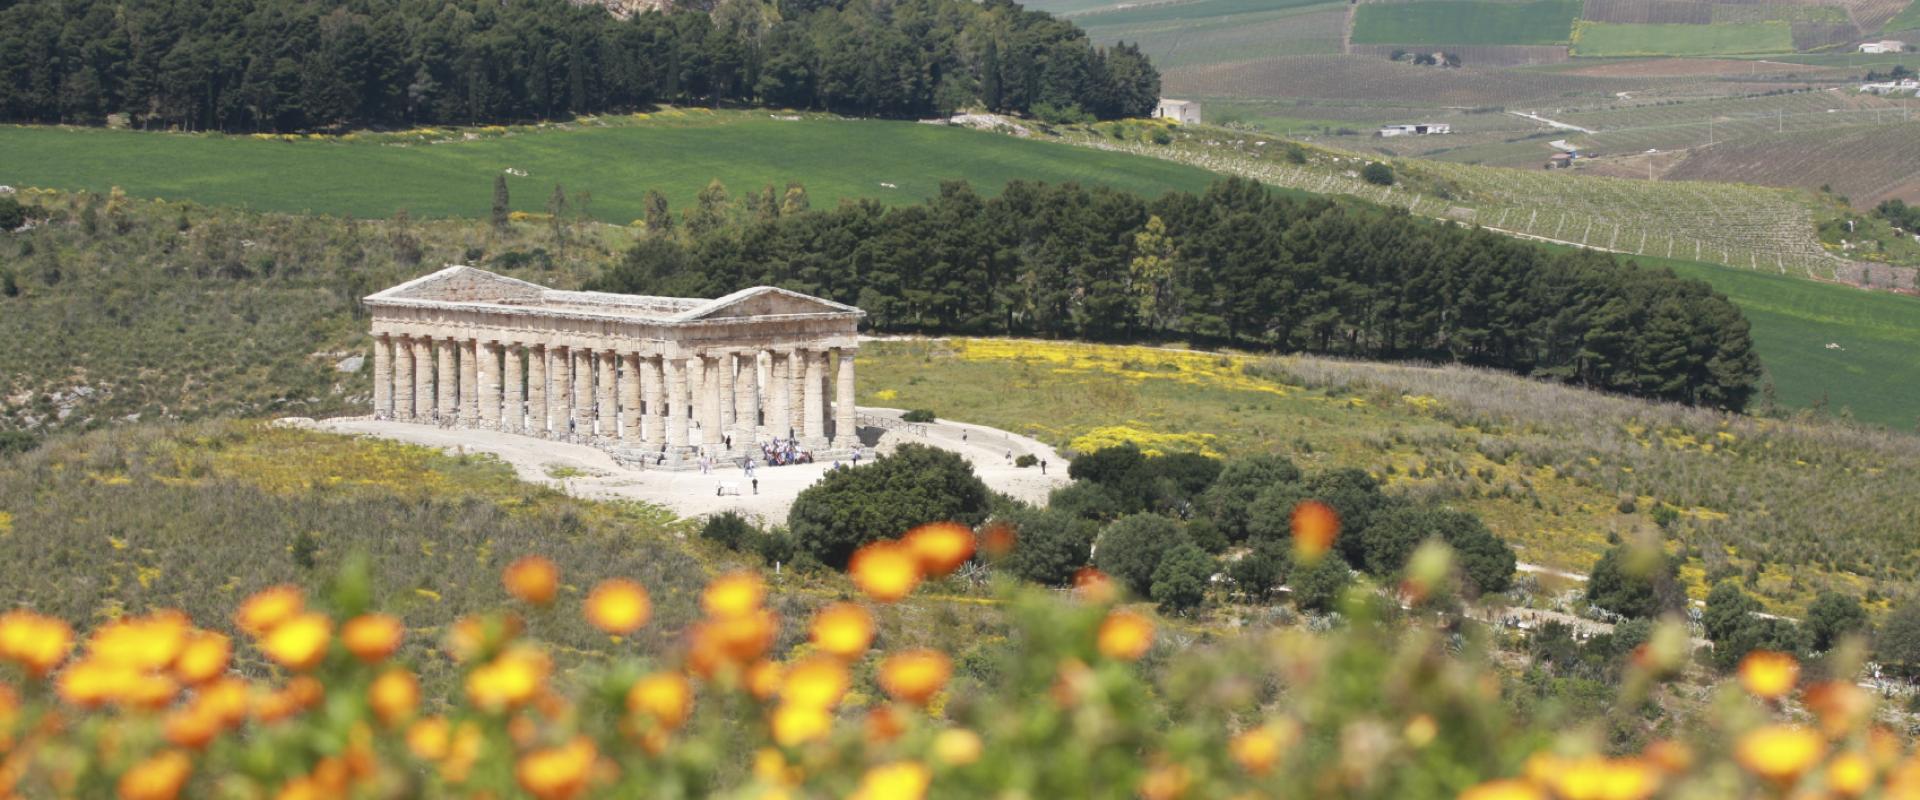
(312, 699)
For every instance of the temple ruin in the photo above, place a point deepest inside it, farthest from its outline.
(658, 381)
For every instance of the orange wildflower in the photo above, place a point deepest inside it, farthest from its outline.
(795, 724)
(394, 696)
(1165, 782)
(619, 606)
(914, 676)
(34, 641)
(192, 727)
(1257, 750)
(1769, 675)
(1508, 789)
(372, 637)
(204, 657)
(429, 739)
(1315, 525)
(509, 680)
(145, 643)
(1850, 774)
(667, 697)
(734, 594)
(817, 682)
(300, 694)
(902, 780)
(740, 639)
(940, 547)
(299, 643)
(764, 679)
(998, 539)
(476, 636)
(160, 777)
(533, 579)
(842, 629)
(886, 571)
(557, 773)
(884, 724)
(1840, 705)
(958, 747)
(1779, 753)
(1125, 636)
(269, 607)
(1094, 586)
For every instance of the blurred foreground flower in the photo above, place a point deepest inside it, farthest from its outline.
(532, 579)
(1315, 525)
(886, 571)
(619, 606)
(1769, 675)
(1125, 636)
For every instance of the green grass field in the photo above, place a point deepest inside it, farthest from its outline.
(1906, 20)
(833, 158)
(1873, 373)
(1609, 39)
(1201, 9)
(1465, 22)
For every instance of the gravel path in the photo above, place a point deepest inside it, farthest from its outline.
(588, 472)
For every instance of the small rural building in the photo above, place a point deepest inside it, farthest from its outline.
(1892, 87)
(1185, 112)
(1416, 129)
(1884, 46)
(1560, 160)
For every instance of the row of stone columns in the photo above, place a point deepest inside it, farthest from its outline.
(605, 395)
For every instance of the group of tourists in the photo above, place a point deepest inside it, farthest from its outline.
(781, 452)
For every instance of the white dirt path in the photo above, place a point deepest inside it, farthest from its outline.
(591, 473)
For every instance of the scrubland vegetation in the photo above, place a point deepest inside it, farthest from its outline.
(1790, 507)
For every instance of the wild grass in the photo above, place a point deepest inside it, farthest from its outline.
(614, 161)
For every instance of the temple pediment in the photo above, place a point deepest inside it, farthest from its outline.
(767, 301)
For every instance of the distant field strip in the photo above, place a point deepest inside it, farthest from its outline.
(833, 158)
(1309, 30)
(1139, 13)
(1372, 79)
(1465, 22)
(1603, 39)
(1485, 55)
(1643, 12)
(1748, 227)
(1867, 163)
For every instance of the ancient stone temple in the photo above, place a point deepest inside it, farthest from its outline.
(658, 381)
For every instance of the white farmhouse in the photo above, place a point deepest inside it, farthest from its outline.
(1416, 129)
(1884, 46)
(1185, 112)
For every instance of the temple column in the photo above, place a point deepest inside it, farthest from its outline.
(514, 408)
(560, 391)
(403, 379)
(812, 423)
(780, 418)
(763, 376)
(723, 390)
(422, 378)
(582, 394)
(697, 395)
(537, 389)
(382, 377)
(630, 397)
(489, 383)
(740, 383)
(469, 380)
(607, 383)
(844, 427)
(796, 391)
(446, 387)
(654, 384)
(713, 425)
(676, 404)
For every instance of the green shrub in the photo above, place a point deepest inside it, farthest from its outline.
(1377, 173)
(1258, 573)
(851, 507)
(917, 415)
(1636, 581)
(1130, 549)
(1318, 587)
(1180, 580)
(730, 530)
(1026, 460)
(1052, 545)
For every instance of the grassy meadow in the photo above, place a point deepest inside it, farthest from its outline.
(1465, 22)
(444, 173)
(1602, 39)
(1795, 506)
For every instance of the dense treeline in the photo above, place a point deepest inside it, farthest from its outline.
(1236, 263)
(246, 65)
